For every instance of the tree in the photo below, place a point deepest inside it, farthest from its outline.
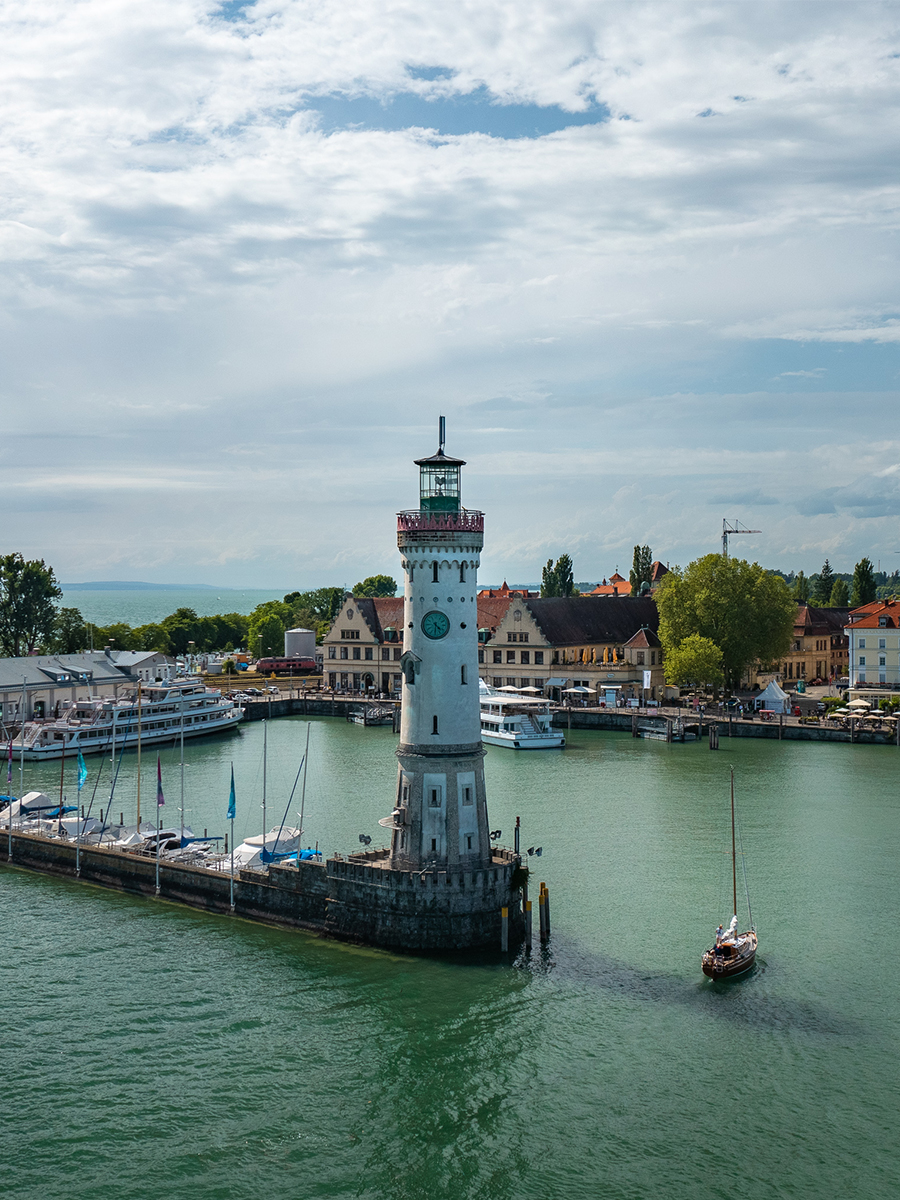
(697, 661)
(558, 580)
(28, 595)
(316, 609)
(800, 590)
(840, 594)
(824, 582)
(376, 585)
(641, 568)
(266, 635)
(864, 587)
(746, 611)
(70, 634)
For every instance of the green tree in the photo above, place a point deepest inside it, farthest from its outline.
(864, 586)
(120, 635)
(840, 594)
(558, 579)
(152, 637)
(744, 610)
(28, 595)
(696, 662)
(376, 585)
(641, 567)
(70, 634)
(183, 627)
(824, 582)
(266, 635)
(800, 590)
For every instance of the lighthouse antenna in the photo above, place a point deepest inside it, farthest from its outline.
(442, 433)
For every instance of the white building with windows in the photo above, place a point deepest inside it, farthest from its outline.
(873, 637)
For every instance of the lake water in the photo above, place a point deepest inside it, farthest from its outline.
(155, 1052)
(139, 607)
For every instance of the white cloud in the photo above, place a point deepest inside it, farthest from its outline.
(192, 264)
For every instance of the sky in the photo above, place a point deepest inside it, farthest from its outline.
(642, 256)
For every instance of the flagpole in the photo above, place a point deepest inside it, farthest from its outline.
(9, 813)
(303, 796)
(82, 775)
(160, 801)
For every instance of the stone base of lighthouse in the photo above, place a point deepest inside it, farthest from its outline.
(424, 911)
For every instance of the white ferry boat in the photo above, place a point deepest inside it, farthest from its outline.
(106, 725)
(519, 722)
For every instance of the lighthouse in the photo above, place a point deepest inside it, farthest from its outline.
(440, 817)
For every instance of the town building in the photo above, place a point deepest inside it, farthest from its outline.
(873, 634)
(50, 680)
(578, 641)
(819, 646)
(504, 592)
(362, 650)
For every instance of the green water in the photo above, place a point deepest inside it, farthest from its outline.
(155, 1052)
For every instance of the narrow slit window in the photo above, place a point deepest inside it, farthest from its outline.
(434, 568)
(434, 725)
(462, 674)
(462, 572)
(467, 795)
(469, 842)
(434, 843)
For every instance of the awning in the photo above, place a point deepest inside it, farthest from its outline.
(555, 683)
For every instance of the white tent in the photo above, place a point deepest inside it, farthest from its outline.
(773, 699)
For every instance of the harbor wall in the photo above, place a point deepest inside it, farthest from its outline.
(622, 721)
(350, 899)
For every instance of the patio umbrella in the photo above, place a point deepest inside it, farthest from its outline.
(531, 689)
(859, 704)
(580, 690)
(508, 688)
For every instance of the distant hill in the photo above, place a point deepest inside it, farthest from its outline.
(120, 585)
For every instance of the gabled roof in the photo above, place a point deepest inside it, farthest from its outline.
(811, 620)
(379, 612)
(587, 620)
(644, 639)
(657, 570)
(52, 670)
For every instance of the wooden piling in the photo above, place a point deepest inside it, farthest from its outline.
(504, 930)
(541, 933)
(528, 926)
(547, 911)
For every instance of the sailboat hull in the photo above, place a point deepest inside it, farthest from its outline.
(723, 962)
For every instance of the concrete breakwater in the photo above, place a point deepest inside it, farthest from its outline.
(621, 720)
(788, 730)
(354, 898)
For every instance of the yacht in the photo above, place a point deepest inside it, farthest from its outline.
(156, 713)
(517, 721)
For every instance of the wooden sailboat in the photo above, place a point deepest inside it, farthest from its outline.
(733, 952)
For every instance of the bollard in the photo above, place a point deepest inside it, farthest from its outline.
(542, 933)
(528, 926)
(547, 912)
(504, 929)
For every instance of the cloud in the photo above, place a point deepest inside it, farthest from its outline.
(265, 243)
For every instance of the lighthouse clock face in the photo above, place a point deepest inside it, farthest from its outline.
(435, 625)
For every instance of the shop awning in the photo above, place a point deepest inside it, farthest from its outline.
(555, 683)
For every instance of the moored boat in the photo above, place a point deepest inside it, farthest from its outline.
(516, 721)
(154, 713)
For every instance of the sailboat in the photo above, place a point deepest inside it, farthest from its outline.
(733, 952)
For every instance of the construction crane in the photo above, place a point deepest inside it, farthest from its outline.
(728, 528)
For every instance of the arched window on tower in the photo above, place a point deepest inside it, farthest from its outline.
(435, 575)
(462, 572)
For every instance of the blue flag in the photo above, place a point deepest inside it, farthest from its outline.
(82, 771)
(230, 815)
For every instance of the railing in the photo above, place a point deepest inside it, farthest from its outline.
(414, 520)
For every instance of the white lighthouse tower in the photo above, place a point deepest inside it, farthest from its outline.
(440, 818)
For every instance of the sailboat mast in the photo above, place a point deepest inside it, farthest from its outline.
(265, 755)
(303, 794)
(733, 847)
(139, 758)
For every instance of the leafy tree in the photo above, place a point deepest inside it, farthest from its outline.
(697, 661)
(824, 582)
(376, 585)
(152, 637)
(323, 603)
(70, 634)
(120, 634)
(641, 568)
(266, 635)
(558, 580)
(743, 609)
(800, 590)
(864, 587)
(840, 594)
(28, 595)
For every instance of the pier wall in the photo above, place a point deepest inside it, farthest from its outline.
(350, 899)
(617, 719)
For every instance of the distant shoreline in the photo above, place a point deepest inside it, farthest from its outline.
(118, 585)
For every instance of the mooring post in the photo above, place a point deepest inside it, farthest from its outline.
(547, 912)
(528, 926)
(780, 724)
(504, 929)
(634, 728)
(541, 913)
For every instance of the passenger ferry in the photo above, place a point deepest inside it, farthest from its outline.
(519, 722)
(160, 712)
